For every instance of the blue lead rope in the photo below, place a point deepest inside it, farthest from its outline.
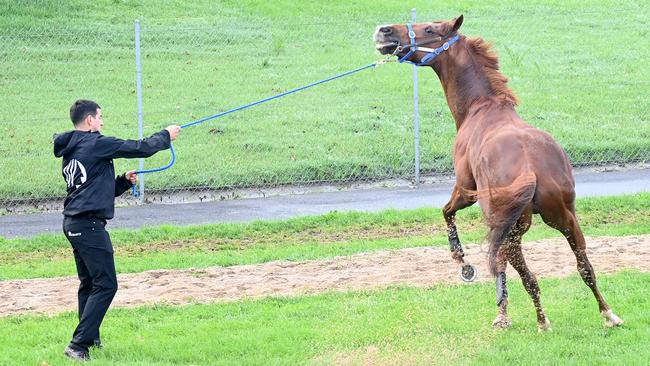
(134, 190)
(278, 96)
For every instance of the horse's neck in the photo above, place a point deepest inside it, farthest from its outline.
(463, 81)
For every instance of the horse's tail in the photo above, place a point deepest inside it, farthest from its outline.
(506, 206)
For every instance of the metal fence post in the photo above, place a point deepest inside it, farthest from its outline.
(138, 88)
(416, 116)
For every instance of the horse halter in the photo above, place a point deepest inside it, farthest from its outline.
(433, 52)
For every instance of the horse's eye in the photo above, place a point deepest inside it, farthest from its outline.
(428, 30)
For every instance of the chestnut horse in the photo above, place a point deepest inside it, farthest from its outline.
(511, 168)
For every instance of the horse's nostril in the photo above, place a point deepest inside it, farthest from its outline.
(386, 30)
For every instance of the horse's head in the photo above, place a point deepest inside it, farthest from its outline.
(418, 44)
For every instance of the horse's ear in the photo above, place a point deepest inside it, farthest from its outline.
(457, 23)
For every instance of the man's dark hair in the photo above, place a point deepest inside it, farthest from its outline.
(81, 109)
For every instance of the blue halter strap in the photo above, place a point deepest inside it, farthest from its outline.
(433, 53)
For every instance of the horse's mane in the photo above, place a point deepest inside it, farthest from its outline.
(489, 63)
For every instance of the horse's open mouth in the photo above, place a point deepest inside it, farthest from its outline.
(386, 47)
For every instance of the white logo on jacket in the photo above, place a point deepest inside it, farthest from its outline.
(75, 173)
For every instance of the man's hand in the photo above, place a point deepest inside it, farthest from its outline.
(131, 176)
(173, 130)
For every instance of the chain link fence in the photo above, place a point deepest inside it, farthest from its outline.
(593, 99)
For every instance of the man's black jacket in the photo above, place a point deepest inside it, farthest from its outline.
(88, 168)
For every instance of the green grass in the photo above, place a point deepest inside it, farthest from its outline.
(576, 75)
(304, 238)
(440, 325)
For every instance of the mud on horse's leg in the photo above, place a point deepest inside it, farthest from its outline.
(467, 271)
(502, 320)
(516, 259)
(457, 202)
(454, 243)
(567, 223)
(577, 242)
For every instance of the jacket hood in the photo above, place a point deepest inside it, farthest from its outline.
(66, 141)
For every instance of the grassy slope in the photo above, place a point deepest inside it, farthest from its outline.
(441, 325)
(300, 239)
(204, 57)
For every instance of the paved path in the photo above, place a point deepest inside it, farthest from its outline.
(286, 206)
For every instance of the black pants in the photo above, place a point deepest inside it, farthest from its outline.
(93, 254)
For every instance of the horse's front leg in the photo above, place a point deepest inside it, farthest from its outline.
(460, 199)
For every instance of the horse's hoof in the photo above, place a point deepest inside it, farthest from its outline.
(468, 273)
(544, 327)
(611, 320)
(501, 322)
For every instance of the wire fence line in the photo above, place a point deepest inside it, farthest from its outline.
(592, 99)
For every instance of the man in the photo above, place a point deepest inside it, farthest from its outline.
(92, 187)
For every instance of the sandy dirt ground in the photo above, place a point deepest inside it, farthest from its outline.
(419, 267)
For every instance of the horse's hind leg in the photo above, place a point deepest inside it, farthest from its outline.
(502, 320)
(516, 259)
(567, 223)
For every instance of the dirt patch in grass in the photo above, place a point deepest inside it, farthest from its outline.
(413, 267)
